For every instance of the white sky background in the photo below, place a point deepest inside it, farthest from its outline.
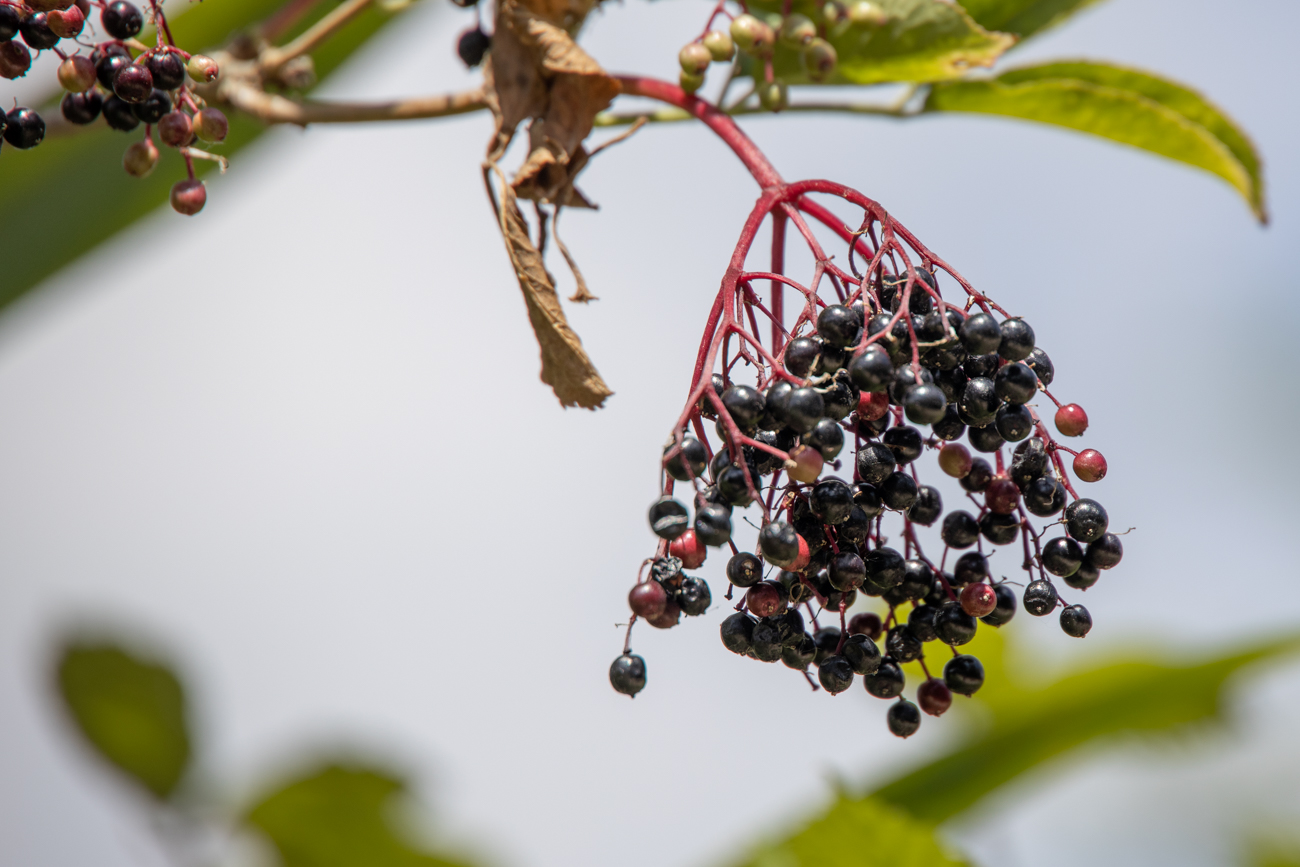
(299, 440)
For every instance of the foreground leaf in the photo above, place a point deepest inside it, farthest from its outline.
(1022, 17)
(857, 833)
(1124, 105)
(131, 710)
(922, 40)
(1030, 727)
(339, 816)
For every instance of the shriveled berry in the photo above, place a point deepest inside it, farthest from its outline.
(737, 633)
(744, 569)
(955, 460)
(979, 478)
(1071, 420)
(140, 158)
(668, 518)
(1040, 597)
(1004, 609)
(887, 680)
(801, 655)
(893, 286)
(875, 463)
(1044, 496)
(1090, 466)
(1028, 462)
(1002, 496)
(902, 644)
(960, 529)
(1106, 552)
(928, 506)
(934, 697)
(903, 718)
(765, 643)
(81, 108)
(647, 599)
(1076, 621)
(963, 674)
(953, 625)
(15, 59)
(1086, 520)
(978, 599)
(627, 673)
(999, 529)
(835, 674)
(1017, 339)
(24, 128)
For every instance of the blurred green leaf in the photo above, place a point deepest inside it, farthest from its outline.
(339, 816)
(65, 197)
(923, 40)
(1124, 105)
(1022, 17)
(131, 710)
(857, 833)
(1031, 726)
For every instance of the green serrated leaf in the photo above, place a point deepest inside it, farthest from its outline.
(857, 833)
(1124, 105)
(923, 40)
(61, 199)
(131, 710)
(340, 815)
(1022, 17)
(1029, 727)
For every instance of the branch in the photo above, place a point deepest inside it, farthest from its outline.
(274, 58)
(673, 115)
(271, 108)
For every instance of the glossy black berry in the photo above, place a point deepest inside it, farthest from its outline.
(999, 529)
(979, 402)
(737, 633)
(862, 654)
(924, 404)
(905, 379)
(831, 500)
(905, 442)
(154, 107)
(627, 673)
(24, 128)
(979, 477)
(733, 487)
(899, 491)
(1062, 557)
(887, 681)
(885, 568)
(835, 674)
(960, 529)
(1086, 520)
(980, 334)
(827, 640)
(1014, 422)
(37, 33)
(693, 597)
(872, 370)
(801, 655)
(1042, 367)
(1044, 496)
(829, 358)
(1017, 339)
(109, 60)
(918, 578)
(1040, 597)
(779, 542)
(718, 385)
(804, 409)
(1084, 577)
(985, 439)
(903, 645)
(953, 625)
(168, 70)
(867, 497)
(950, 427)
(1015, 383)
(692, 454)
(838, 325)
(82, 108)
(827, 437)
(10, 21)
(668, 518)
(893, 286)
(1076, 621)
(855, 527)
(121, 19)
(964, 674)
(800, 354)
(847, 571)
(928, 506)
(712, 524)
(120, 117)
(904, 718)
(775, 402)
(1006, 608)
(744, 569)
(970, 567)
(875, 463)
(745, 404)
(921, 622)
(839, 400)
(1106, 552)
(472, 46)
(981, 366)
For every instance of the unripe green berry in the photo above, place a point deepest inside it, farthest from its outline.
(76, 74)
(720, 45)
(140, 158)
(690, 82)
(773, 95)
(797, 31)
(868, 13)
(211, 125)
(752, 36)
(695, 58)
(202, 68)
(819, 59)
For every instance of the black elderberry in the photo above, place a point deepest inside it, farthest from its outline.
(979, 402)
(924, 404)
(793, 583)
(765, 642)
(745, 404)
(827, 437)
(1076, 621)
(718, 385)
(950, 427)
(37, 33)
(946, 358)
(692, 454)
(472, 46)
(831, 500)
(872, 370)
(964, 674)
(801, 655)
(893, 286)
(904, 442)
(804, 409)
(1086, 520)
(933, 328)
(1014, 422)
(952, 383)
(109, 60)
(829, 358)
(791, 626)
(903, 645)
(838, 325)
(737, 633)
(953, 625)
(694, 597)
(979, 477)
(840, 600)
(885, 568)
(667, 570)
(668, 518)
(779, 542)
(121, 19)
(921, 622)
(775, 402)
(835, 674)
(1028, 462)
(839, 400)
(905, 379)
(999, 529)
(800, 354)
(168, 70)
(134, 84)
(862, 654)
(971, 567)
(980, 334)
(875, 463)
(712, 524)
(713, 496)
(928, 506)
(1106, 552)
(1015, 383)
(981, 366)
(893, 597)
(157, 104)
(1062, 557)
(867, 496)
(1040, 597)
(1041, 365)
(985, 439)
(81, 108)
(887, 681)
(855, 527)
(899, 491)
(744, 569)
(918, 578)
(804, 521)
(827, 640)
(847, 571)
(10, 21)
(23, 128)
(1084, 577)
(733, 487)
(1044, 496)
(1017, 339)
(960, 529)
(627, 673)
(1006, 607)
(904, 718)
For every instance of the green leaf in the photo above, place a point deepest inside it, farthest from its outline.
(61, 199)
(857, 833)
(1022, 17)
(1124, 105)
(339, 816)
(1031, 726)
(131, 710)
(922, 40)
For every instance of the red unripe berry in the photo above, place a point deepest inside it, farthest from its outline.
(211, 125)
(1090, 466)
(76, 74)
(667, 618)
(66, 23)
(807, 464)
(1002, 496)
(978, 599)
(648, 599)
(15, 59)
(873, 405)
(1071, 420)
(174, 129)
(689, 549)
(189, 196)
(955, 460)
(801, 562)
(764, 599)
(866, 623)
(934, 697)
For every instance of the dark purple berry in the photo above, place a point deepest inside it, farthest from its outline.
(1014, 422)
(167, 69)
(871, 370)
(867, 496)
(1041, 365)
(134, 84)
(804, 409)
(924, 404)
(779, 542)
(744, 570)
(999, 529)
(831, 501)
(745, 404)
(950, 427)
(37, 33)
(861, 652)
(905, 442)
(1084, 577)
(1044, 496)
(856, 526)
(801, 655)
(1062, 556)
(838, 325)
(10, 21)
(921, 622)
(82, 108)
(694, 597)
(887, 680)
(800, 354)
(1106, 552)
(979, 478)
(979, 402)
(971, 567)
(109, 60)
(712, 524)
(903, 645)
(899, 491)
(1006, 607)
(627, 673)
(120, 117)
(985, 439)
(964, 674)
(928, 506)
(121, 19)
(1040, 597)
(765, 643)
(1076, 621)
(904, 718)
(885, 568)
(953, 625)
(847, 571)
(24, 128)
(827, 437)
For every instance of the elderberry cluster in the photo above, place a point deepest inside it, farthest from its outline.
(122, 80)
(890, 385)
